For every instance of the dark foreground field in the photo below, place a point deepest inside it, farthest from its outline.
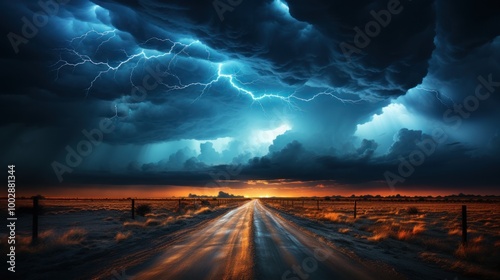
(258, 239)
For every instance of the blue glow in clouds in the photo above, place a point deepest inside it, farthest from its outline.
(282, 6)
(382, 127)
(76, 55)
(266, 86)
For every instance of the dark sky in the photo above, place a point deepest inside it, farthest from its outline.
(382, 94)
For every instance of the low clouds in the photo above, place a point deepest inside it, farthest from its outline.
(406, 142)
(367, 148)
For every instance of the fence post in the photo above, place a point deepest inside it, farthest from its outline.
(34, 236)
(292, 203)
(354, 209)
(179, 204)
(302, 203)
(133, 208)
(317, 202)
(464, 225)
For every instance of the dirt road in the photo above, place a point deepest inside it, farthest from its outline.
(253, 242)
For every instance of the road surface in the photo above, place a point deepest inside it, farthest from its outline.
(252, 242)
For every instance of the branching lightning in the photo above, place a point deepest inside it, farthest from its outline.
(75, 57)
(116, 113)
(438, 95)
(84, 59)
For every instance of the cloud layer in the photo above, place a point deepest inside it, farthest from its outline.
(278, 88)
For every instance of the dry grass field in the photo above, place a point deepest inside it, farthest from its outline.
(430, 229)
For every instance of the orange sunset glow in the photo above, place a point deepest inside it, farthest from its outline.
(247, 190)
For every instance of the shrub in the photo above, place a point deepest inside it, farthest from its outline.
(412, 210)
(143, 209)
(205, 203)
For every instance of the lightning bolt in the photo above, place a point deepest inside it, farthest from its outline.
(73, 57)
(288, 99)
(438, 95)
(82, 59)
(116, 113)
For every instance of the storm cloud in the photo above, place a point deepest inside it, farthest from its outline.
(291, 90)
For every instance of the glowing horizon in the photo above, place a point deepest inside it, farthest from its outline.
(116, 192)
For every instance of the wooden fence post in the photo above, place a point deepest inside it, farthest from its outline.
(464, 225)
(354, 209)
(179, 204)
(34, 236)
(133, 208)
(317, 202)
